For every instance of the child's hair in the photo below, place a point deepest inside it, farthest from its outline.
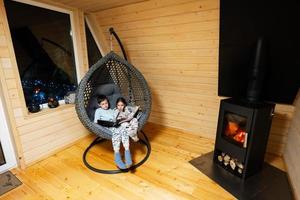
(101, 98)
(121, 99)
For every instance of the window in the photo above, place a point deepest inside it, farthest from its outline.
(93, 52)
(43, 45)
(2, 159)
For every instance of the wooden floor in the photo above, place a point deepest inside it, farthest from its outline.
(166, 175)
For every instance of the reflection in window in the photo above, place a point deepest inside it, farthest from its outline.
(44, 51)
(93, 52)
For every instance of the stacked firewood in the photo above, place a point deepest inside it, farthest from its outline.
(234, 164)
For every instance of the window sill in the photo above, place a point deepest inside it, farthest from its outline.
(47, 111)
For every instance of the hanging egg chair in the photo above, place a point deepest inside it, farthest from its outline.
(113, 77)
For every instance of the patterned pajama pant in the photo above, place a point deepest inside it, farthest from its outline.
(131, 128)
(119, 134)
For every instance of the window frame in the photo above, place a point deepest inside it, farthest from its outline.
(72, 22)
(88, 19)
(75, 41)
(87, 25)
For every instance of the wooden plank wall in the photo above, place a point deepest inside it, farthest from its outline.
(41, 134)
(292, 151)
(174, 43)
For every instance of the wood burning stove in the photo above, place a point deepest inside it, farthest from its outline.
(237, 163)
(242, 136)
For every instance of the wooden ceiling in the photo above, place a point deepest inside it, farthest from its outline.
(96, 5)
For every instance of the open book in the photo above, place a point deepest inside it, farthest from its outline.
(133, 113)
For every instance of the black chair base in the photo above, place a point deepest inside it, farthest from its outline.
(144, 141)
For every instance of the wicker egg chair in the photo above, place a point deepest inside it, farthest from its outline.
(114, 77)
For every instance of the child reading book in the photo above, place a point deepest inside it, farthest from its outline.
(104, 113)
(128, 123)
(126, 117)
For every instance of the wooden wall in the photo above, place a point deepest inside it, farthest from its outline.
(41, 134)
(292, 150)
(174, 43)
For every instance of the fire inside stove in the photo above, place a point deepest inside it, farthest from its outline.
(235, 129)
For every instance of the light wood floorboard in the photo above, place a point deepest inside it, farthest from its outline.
(166, 175)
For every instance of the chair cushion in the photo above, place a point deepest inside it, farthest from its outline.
(111, 91)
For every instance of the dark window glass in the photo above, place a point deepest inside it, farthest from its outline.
(93, 52)
(2, 159)
(43, 46)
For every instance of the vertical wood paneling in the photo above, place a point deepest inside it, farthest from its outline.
(41, 134)
(6, 60)
(175, 45)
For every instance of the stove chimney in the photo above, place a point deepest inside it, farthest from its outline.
(257, 73)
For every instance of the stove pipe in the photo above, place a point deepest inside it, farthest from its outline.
(257, 73)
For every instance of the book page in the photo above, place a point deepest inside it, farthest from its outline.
(130, 116)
